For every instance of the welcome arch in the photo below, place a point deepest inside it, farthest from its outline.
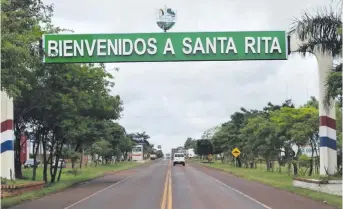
(178, 47)
(195, 46)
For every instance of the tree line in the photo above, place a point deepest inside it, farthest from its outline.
(269, 136)
(67, 109)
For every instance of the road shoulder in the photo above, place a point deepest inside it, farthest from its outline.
(271, 196)
(65, 194)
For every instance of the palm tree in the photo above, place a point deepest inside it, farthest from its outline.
(324, 29)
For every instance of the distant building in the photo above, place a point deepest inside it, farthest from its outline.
(305, 150)
(137, 153)
(190, 153)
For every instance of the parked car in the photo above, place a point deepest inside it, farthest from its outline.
(61, 163)
(30, 163)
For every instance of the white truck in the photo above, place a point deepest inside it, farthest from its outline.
(179, 158)
(152, 157)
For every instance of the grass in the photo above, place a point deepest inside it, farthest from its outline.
(68, 179)
(279, 180)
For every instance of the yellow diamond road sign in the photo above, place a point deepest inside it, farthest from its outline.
(235, 152)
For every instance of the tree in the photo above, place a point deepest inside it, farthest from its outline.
(100, 149)
(339, 136)
(20, 34)
(261, 140)
(190, 143)
(204, 147)
(126, 145)
(72, 103)
(268, 136)
(65, 108)
(159, 154)
(324, 30)
(300, 126)
(313, 102)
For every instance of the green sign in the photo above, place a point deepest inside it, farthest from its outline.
(161, 47)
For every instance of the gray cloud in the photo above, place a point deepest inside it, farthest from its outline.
(174, 100)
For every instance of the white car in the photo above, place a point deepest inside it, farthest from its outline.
(179, 158)
(30, 164)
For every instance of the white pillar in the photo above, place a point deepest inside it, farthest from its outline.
(7, 137)
(327, 126)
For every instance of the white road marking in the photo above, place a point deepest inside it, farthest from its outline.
(239, 192)
(86, 198)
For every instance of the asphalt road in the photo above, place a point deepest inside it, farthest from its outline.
(163, 186)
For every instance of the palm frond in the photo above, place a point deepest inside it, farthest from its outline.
(331, 46)
(320, 28)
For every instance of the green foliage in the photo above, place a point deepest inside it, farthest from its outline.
(70, 154)
(323, 30)
(190, 143)
(159, 154)
(268, 135)
(3, 181)
(204, 147)
(20, 34)
(304, 164)
(69, 107)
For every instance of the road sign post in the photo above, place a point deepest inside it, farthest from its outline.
(236, 152)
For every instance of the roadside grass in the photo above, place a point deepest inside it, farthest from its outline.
(68, 179)
(275, 179)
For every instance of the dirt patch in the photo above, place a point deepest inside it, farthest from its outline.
(14, 190)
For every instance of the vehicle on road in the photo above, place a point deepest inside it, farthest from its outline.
(167, 157)
(179, 158)
(30, 163)
(152, 157)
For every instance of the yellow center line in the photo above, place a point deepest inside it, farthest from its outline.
(165, 190)
(170, 195)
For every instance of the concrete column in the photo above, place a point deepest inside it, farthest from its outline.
(7, 137)
(327, 124)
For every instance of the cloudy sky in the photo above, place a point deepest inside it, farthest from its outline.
(171, 101)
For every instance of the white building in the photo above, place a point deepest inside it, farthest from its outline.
(137, 153)
(190, 153)
(305, 150)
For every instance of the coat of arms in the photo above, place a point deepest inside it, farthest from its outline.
(166, 18)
